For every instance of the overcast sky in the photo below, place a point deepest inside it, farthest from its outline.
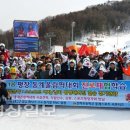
(38, 9)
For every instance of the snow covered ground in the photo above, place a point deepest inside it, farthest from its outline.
(118, 41)
(69, 118)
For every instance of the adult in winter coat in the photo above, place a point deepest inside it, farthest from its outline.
(44, 73)
(82, 71)
(3, 94)
(71, 71)
(112, 73)
(4, 52)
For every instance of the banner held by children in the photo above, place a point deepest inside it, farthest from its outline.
(94, 93)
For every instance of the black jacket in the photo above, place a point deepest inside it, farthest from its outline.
(111, 75)
(58, 76)
(83, 73)
(37, 74)
(71, 74)
(44, 74)
(120, 71)
(3, 93)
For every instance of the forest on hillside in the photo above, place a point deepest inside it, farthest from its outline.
(98, 19)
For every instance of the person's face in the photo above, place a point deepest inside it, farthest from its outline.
(80, 64)
(49, 67)
(112, 66)
(94, 63)
(30, 27)
(48, 60)
(13, 75)
(43, 60)
(6, 70)
(71, 64)
(28, 66)
(2, 57)
(57, 62)
(100, 59)
(15, 60)
(43, 68)
(33, 68)
(38, 67)
(19, 68)
(1, 48)
(91, 56)
(57, 68)
(73, 53)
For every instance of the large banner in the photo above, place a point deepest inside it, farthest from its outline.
(26, 37)
(94, 93)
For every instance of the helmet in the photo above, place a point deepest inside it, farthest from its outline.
(13, 70)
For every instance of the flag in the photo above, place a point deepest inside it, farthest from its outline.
(92, 72)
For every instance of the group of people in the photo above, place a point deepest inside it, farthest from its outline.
(108, 66)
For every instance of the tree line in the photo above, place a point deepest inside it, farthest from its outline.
(98, 19)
